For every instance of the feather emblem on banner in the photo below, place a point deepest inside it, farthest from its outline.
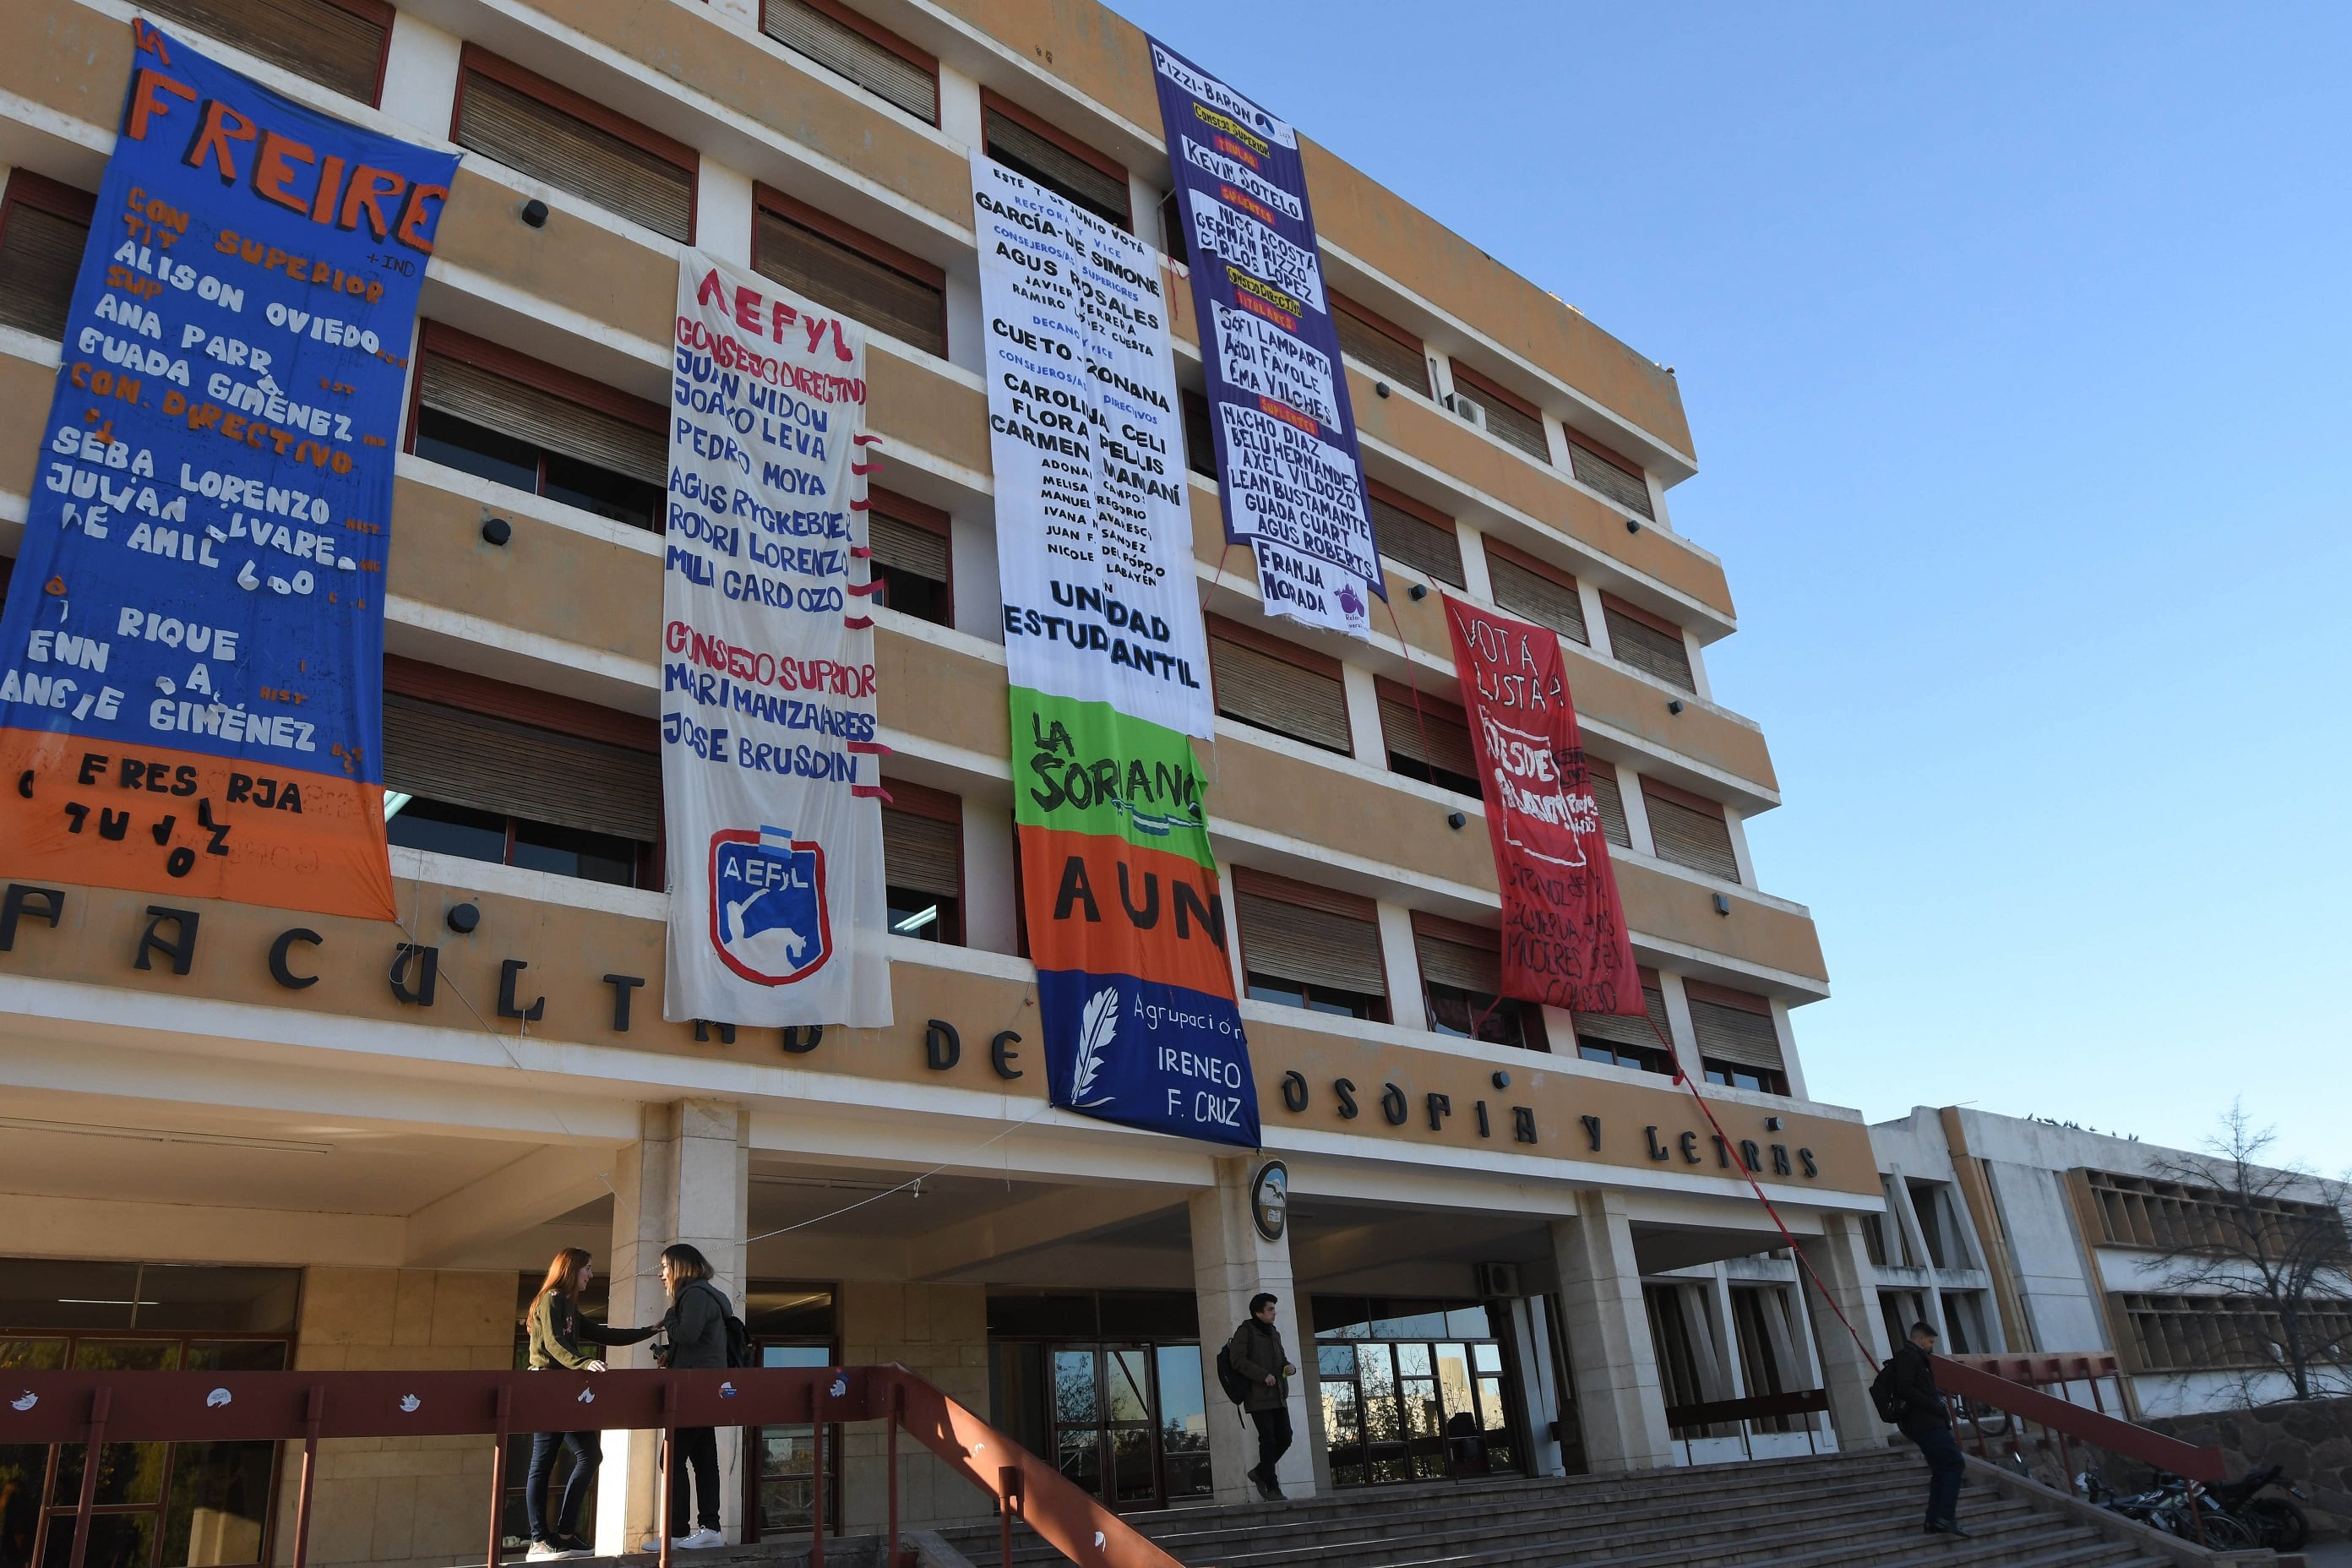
(1099, 1023)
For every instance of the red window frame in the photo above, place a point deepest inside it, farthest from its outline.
(1370, 318)
(1289, 652)
(44, 194)
(940, 805)
(1307, 896)
(881, 251)
(1060, 137)
(1625, 465)
(917, 514)
(440, 338)
(1481, 384)
(555, 95)
(874, 32)
(1655, 622)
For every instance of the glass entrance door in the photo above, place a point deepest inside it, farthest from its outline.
(1129, 1425)
(1413, 1391)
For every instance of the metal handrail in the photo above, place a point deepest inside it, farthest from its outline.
(1806, 1402)
(2073, 1423)
(97, 1407)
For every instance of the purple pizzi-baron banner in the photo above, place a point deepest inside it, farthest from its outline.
(1285, 437)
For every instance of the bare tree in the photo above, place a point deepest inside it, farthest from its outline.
(2271, 1242)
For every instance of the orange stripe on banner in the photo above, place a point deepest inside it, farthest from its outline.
(161, 820)
(1106, 906)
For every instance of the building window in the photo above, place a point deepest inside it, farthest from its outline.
(1427, 738)
(1597, 467)
(339, 44)
(504, 416)
(1689, 830)
(1541, 591)
(923, 863)
(1055, 160)
(1199, 439)
(1601, 778)
(869, 54)
(158, 1504)
(1510, 419)
(1415, 1390)
(1303, 946)
(1614, 1040)
(791, 1323)
(1462, 984)
(1416, 535)
(1901, 1309)
(815, 254)
(1738, 1045)
(486, 771)
(43, 227)
(1271, 684)
(911, 557)
(1375, 340)
(1649, 643)
(572, 142)
(2199, 1333)
(2135, 1211)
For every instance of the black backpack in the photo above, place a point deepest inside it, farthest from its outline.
(1886, 1396)
(1229, 1376)
(738, 1338)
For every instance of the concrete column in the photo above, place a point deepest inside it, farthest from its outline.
(1365, 733)
(1619, 1401)
(1838, 1258)
(1478, 581)
(686, 1179)
(1231, 1263)
(723, 210)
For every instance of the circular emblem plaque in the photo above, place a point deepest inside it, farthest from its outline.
(1270, 1198)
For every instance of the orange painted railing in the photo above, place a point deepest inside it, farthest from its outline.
(96, 1408)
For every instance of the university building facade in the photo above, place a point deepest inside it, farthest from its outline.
(240, 1137)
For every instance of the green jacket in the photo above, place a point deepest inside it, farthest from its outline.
(1257, 1353)
(558, 1331)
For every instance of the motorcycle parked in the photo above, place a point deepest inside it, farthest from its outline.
(2228, 1516)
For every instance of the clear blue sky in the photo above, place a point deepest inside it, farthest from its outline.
(2015, 344)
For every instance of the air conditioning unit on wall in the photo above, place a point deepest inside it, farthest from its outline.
(1475, 412)
(1497, 1281)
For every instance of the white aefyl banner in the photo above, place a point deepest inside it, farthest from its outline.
(770, 771)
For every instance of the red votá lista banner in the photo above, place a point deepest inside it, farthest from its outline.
(1564, 940)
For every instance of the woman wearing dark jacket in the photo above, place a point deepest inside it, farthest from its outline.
(696, 1327)
(557, 1332)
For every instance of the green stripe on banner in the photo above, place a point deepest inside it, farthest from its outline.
(1084, 767)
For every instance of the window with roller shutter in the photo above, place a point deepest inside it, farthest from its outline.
(1537, 590)
(1597, 467)
(911, 556)
(1738, 1042)
(44, 227)
(1625, 1041)
(1309, 947)
(1263, 681)
(551, 133)
(846, 269)
(864, 51)
(1415, 535)
(1649, 643)
(1462, 985)
(487, 770)
(922, 862)
(1055, 160)
(1426, 737)
(339, 44)
(1611, 797)
(1510, 419)
(1374, 341)
(1689, 830)
(504, 416)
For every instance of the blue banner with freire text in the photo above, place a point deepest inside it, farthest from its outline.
(192, 656)
(1286, 436)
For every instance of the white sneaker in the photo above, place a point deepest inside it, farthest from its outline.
(548, 1552)
(701, 1538)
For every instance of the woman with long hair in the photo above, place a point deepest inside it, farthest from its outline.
(557, 1333)
(696, 1327)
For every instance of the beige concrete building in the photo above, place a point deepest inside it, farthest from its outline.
(1505, 1241)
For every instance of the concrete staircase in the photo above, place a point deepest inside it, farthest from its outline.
(1820, 1512)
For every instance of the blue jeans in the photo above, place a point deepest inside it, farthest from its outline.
(587, 1453)
(1945, 1467)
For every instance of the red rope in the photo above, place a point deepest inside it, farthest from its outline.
(1428, 753)
(1731, 1151)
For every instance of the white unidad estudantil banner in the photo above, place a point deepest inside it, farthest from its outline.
(770, 771)
(1094, 526)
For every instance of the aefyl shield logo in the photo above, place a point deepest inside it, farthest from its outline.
(768, 914)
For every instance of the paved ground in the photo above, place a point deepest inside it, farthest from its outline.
(2328, 1554)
